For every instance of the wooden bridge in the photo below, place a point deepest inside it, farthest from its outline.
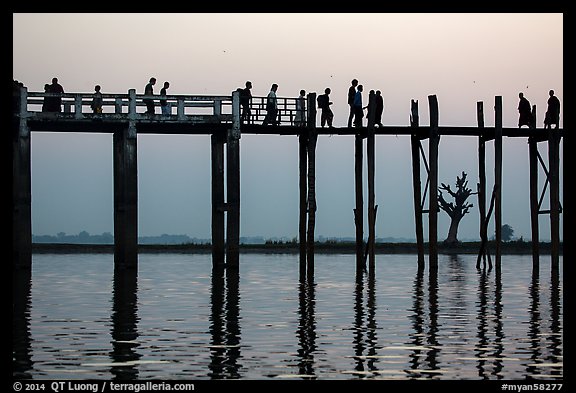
(219, 116)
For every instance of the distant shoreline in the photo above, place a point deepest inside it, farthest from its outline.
(512, 247)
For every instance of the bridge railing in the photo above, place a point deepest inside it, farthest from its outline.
(181, 107)
(196, 108)
(288, 113)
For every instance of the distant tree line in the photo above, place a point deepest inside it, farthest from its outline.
(108, 238)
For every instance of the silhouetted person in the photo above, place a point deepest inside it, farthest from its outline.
(351, 96)
(48, 101)
(525, 111)
(326, 116)
(56, 102)
(149, 90)
(553, 111)
(300, 118)
(358, 110)
(271, 107)
(96, 100)
(379, 109)
(371, 104)
(245, 97)
(164, 103)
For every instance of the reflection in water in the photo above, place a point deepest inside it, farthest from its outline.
(555, 337)
(535, 320)
(453, 322)
(432, 355)
(21, 338)
(545, 345)
(306, 332)
(124, 324)
(425, 328)
(489, 353)
(365, 361)
(224, 324)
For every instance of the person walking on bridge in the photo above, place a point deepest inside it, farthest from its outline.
(56, 102)
(271, 107)
(164, 105)
(553, 112)
(326, 116)
(300, 117)
(245, 97)
(379, 109)
(351, 96)
(525, 112)
(96, 100)
(358, 108)
(148, 91)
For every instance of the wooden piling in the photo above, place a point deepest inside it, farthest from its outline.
(534, 206)
(433, 143)
(370, 152)
(233, 187)
(303, 168)
(498, 178)
(311, 202)
(125, 198)
(359, 210)
(553, 170)
(21, 184)
(218, 206)
(481, 180)
(416, 183)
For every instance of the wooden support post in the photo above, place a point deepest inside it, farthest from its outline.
(312, 139)
(434, 141)
(533, 165)
(481, 183)
(311, 201)
(359, 210)
(233, 187)
(218, 209)
(21, 183)
(553, 170)
(416, 183)
(370, 151)
(125, 198)
(498, 178)
(303, 167)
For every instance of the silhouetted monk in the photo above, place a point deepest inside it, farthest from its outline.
(553, 111)
(525, 111)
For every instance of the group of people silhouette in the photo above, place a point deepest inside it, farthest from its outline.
(323, 102)
(552, 115)
(355, 103)
(53, 104)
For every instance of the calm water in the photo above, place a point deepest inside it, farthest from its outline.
(176, 320)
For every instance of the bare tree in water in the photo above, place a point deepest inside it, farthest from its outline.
(457, 209)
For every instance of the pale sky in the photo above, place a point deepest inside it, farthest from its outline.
(461, 58)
